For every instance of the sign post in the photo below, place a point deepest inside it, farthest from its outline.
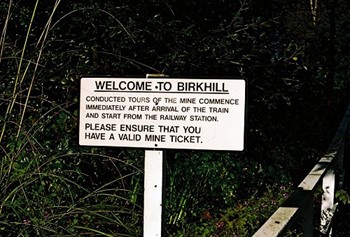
(153, 194)
(161, 113)
(153, 191)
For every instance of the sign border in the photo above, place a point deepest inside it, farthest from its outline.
(170, 77)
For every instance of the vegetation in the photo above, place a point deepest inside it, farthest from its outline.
(292, 54)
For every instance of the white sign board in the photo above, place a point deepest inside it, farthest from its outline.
(174, 113)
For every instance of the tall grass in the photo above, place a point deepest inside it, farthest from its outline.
(48, 185)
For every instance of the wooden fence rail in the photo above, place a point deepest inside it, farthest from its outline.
(329, 174)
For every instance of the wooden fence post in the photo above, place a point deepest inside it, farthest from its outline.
(308, 217)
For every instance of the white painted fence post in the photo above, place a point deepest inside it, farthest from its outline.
(327, 206)
(153, 194)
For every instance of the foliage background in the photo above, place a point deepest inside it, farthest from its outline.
(298, 86)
